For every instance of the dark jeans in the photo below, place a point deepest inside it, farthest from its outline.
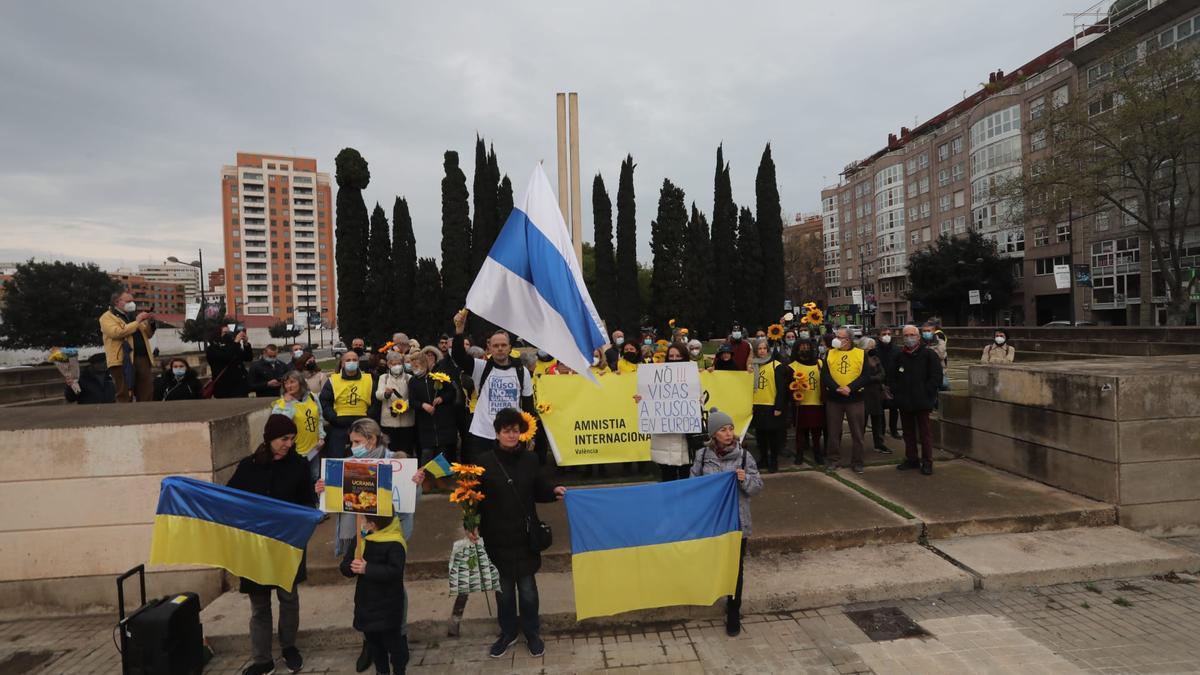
(385, 644)
(260, 621)
(917, 423)
(877, 424)
(733, 605)
(854, 413)
(508, 601)
(770, 444)
(669, 472)
(893, 419)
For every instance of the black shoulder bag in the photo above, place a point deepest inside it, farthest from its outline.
(539, 534)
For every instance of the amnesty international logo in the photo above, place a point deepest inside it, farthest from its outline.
(310, 420)
(352, 395)
(843, 366)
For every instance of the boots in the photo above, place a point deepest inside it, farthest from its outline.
(733, 618)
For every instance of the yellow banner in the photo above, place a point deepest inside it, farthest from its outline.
(587, 424)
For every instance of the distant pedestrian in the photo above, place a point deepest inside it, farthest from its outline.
(914, 381)
(1000, 351)
(933, 338)
(127, 348)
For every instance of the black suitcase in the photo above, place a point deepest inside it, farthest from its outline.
(163, 636)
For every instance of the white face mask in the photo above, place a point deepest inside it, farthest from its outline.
(736, 335)
(694, 352)
(130, 307)
(297, 353)
(396, 370)
(885, 339)
(836, 344)
(803, 335)
(619, 341)
(999, 339)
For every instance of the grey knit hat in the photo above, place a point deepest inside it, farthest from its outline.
(718, 419)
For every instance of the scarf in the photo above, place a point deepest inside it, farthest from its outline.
(390, 533)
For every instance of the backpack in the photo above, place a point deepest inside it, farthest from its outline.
(487, 370)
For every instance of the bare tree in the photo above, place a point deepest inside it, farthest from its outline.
(803, 266)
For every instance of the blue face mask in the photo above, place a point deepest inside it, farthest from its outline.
(269, 359)
(359, 451)
(350, 366)
(408, 367)
(648, 342)
(179, 372)
(926, 335)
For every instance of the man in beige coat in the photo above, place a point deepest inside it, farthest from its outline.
(127, 348)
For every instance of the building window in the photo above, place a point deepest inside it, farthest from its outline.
(998, 124)
(943, 152)
(1060, 97)
(960, 198)
(943, 178)
(912, 190)
(956, 171)
(945, 227)
(1102, 221)
(1037, 140)
(1045, 266)
(1040, 236)
(925, 209)
(914, 238)
(1130, 205)
(956, 146)
(960, 224)
(1018, 270)
(1062, 232)
(1037, 107)
(924, 183)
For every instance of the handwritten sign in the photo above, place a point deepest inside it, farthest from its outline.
(670, 398)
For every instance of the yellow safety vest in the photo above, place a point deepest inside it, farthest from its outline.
(308, 424)
(624, 366)
(812, 375)
(845, 366)
(764, 383)
(351, 398)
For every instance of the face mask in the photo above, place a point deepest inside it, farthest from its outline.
(694, 352)
(910, 341)
(179, 372)
(885, 339)
(836, 344)
(822, 350)
(999, 340)
(675, 359)
(130, 307)
(311, 365)
(297, 353)
(350, 366)
(269, 359)
(790, 342)
(358, 350)
(396, 370)
(926, 335)
(619, 341)
(408, 367)
(736, 335)
(631, 357)
(359, 451)
(804, 335)
(648, 342)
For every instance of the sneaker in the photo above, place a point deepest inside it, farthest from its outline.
(501, 645)
(259, 669)
(897, 435)
(927, 468)
(883, 449)
(364, 659)
(907, 464)
(292, 659)
(858, 468)
(830, 468)
(536, 646)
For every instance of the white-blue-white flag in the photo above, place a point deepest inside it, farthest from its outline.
(531, 283)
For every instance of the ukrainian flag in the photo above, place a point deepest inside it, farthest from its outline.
(256, 537)
(673, 543)
(438, 467)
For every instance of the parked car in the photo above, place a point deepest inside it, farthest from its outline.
(1067, 324)
(339, 348)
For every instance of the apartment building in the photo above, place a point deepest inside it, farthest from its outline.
(278, 230)
(160, 297)
(938, 178)
(172, 271)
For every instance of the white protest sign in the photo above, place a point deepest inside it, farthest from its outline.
(973, 297)
(670, 398)
(1062, 276)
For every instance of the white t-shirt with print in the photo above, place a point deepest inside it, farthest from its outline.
(502, 390)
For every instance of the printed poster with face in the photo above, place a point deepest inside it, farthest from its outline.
(357, 486)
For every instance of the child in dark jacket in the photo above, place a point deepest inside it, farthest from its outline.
(378, 560)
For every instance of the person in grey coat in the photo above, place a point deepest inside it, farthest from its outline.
(725, 453)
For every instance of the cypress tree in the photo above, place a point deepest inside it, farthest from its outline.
(769, 218)
(484, 213)
(504, 204)
(667, 233)
(456, 275)
(381, 276)
(698, 276)
(428, 317)
(749, 294)
(604, 289)
(724, 243)
(628, 307)
(404, 261)
(350, 233)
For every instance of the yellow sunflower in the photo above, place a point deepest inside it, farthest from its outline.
(775, 332)
(671, 323)
(662, 343)
(814, 317)
(810, 306)
(660, 357)
(531, 431)
(388, 345)
(399, 406)
(543, 408)
(439, 377)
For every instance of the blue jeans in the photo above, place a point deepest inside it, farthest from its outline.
(507, 602)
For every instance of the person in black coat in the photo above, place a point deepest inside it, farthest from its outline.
(770, 412)
(435, 403)
(96, 384)
(914, 380)
(507, 519)
(275, 470)
(227, 357)
(379, 602)
(886, 349)
(177, 382)
(266, 374)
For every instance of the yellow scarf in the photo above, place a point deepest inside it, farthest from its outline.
(390, 533)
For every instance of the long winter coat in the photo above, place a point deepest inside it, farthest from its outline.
(503, 513)
(915, 378)
(379, 593)
(229, 357)
(288, 480)
(439, 428)
(876, 376)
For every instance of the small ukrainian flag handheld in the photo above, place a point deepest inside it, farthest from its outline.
(438, 467)
(252, 536)
(686, 553)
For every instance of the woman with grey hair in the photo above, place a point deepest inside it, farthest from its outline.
(392, 390)
(299, 404)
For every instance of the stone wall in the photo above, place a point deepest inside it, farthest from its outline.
(81, 485)
(1121, 430)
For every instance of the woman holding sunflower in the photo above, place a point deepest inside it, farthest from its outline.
(511, 484)
(398, 418)
(806, 392)
(772, 399)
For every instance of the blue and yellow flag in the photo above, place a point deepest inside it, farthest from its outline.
(256, 537)
(438, 467)
(658, 545)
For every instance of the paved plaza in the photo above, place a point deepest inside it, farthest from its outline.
(1143, 625)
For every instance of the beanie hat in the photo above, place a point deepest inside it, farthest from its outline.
(278, 426)
(718, 419)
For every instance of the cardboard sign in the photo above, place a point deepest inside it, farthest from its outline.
(670, 394)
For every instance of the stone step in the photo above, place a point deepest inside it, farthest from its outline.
(53, 400)
(773, 583)
(31, 391)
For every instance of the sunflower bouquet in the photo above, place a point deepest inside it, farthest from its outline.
(466, 494)
(799, 385)
(440, 379)
(67, 362)
(814, 317)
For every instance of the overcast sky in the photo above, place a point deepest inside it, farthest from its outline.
(117, 116)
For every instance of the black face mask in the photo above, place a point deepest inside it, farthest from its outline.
(631, 357)
(311, 365)
(359, 350)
